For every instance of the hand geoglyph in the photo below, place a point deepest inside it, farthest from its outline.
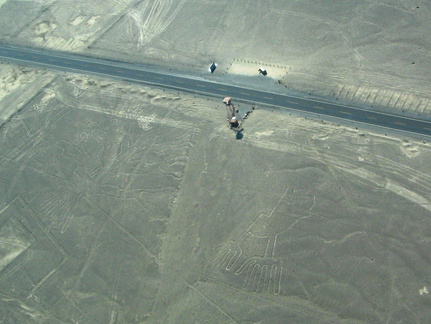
(254, 256)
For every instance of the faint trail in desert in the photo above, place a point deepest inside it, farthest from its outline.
(361, 173)
(124, 6)
(253, 255)
(151, 19)
(211, 302)
(46, 277)
(198, 8)
(387, 168)
(361, 176)
(58, 207)
(306, 308)
(36, 137)
(18, 305)
(114, 296)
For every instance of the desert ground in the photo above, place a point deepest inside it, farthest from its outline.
(374, 53)
(125, 203)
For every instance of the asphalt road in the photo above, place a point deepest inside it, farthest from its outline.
(129, 72)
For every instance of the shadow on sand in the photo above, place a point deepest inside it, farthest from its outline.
(239, 134)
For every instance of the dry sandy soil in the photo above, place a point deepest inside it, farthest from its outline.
(377, 53)
(125, 204)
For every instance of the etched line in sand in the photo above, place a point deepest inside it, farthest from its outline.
(308, 309)
(46, 277)
(150, 19)
(253, 256)
(423, 291)
(211, 302)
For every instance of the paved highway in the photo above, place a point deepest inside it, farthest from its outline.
(129, 72)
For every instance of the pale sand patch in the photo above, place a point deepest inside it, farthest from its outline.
(45, 27)
(6, 259)
(251, 68)
(17, 86)
(63, 43)
(408, 194)
(410, 149)
(93, 20)
(77, 21)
